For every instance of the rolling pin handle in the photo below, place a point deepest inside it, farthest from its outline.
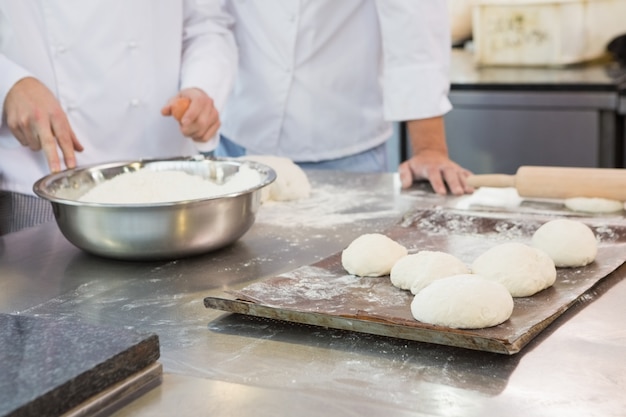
(491, 180)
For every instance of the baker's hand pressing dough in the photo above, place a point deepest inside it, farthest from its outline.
(372, 255)
(465, 301)
(522, 269)
(570, 243)
(414, 272)
(593, 205)
(291, 182)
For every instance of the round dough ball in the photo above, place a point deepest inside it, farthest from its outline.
(291, 182)
(593, 205)
(569, 243)
(372, 255)
(414, 272)
(465, 301)
(522, 269)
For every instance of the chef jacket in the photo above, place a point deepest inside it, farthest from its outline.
(322, 79)
(112, 64)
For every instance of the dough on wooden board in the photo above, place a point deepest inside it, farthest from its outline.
(570, 243)
(593, 205)
(291, 182)
(465, 301)
(414, 272)
(522, 269)
(372, 255)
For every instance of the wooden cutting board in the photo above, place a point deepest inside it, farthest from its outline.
(323, 294)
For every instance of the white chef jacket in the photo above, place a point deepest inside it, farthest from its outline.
(113, 64)
(322, 79)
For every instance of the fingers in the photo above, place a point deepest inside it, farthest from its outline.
(200, 122)
(66, 139)
(179, 107)
(36, 119)
(49, 147)
(443, 176)
(196, 114)
(406, 176)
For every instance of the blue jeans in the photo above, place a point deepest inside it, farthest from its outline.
(372, 160)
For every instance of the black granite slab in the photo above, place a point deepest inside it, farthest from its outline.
(50, 365)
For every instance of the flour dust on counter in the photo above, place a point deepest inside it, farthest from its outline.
(330, 206)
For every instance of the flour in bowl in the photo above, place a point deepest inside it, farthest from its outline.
(146, 186)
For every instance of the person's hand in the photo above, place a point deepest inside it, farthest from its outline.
(200, 121)
(438, 169)
(36, 119)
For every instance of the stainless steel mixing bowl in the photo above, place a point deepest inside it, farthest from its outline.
(156, 231)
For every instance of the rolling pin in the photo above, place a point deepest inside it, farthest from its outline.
(559, 182)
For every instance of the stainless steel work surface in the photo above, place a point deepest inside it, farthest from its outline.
(221, 364)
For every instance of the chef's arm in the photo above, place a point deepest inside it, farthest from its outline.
(209, 63)
(430, 160)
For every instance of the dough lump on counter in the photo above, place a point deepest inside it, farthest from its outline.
(291, 183)
(414, 272)
(465, 301)
(593, 205)
(522, 269)
(372, 255)
(570, 243)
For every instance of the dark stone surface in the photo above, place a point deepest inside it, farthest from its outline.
(49, 366)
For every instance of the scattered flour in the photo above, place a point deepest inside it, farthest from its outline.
(146, 186)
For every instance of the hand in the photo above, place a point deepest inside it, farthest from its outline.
(201, 120)
(436, 168)
(430, 159)
(36, 119)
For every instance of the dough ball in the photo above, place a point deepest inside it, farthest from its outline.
(414, 272)
(371, 255)
(465, 301)
(522, 269)
(593, 205)
(291, 182)
(569, 243)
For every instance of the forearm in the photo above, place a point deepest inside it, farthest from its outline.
(428, 134)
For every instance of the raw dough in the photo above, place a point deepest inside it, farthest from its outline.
(593, 205)
(291, 182)
(372, 255)
(522, 269)
(569, 243)
(465, 301)
(414, 272)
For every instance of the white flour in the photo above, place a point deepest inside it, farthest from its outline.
(147, 186)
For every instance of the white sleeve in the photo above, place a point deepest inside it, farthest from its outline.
(11, 73)
(209, 58)
(416, 58)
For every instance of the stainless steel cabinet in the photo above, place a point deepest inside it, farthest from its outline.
(497, 131)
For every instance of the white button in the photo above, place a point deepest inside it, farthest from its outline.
(291, 18)
(61, 49)
(132, 44)
(134, 102)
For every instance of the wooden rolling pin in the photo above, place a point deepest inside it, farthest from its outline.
(559, 182)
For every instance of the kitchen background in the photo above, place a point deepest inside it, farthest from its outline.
(534, 82)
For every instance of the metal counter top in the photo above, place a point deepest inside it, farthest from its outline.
(220, 364)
